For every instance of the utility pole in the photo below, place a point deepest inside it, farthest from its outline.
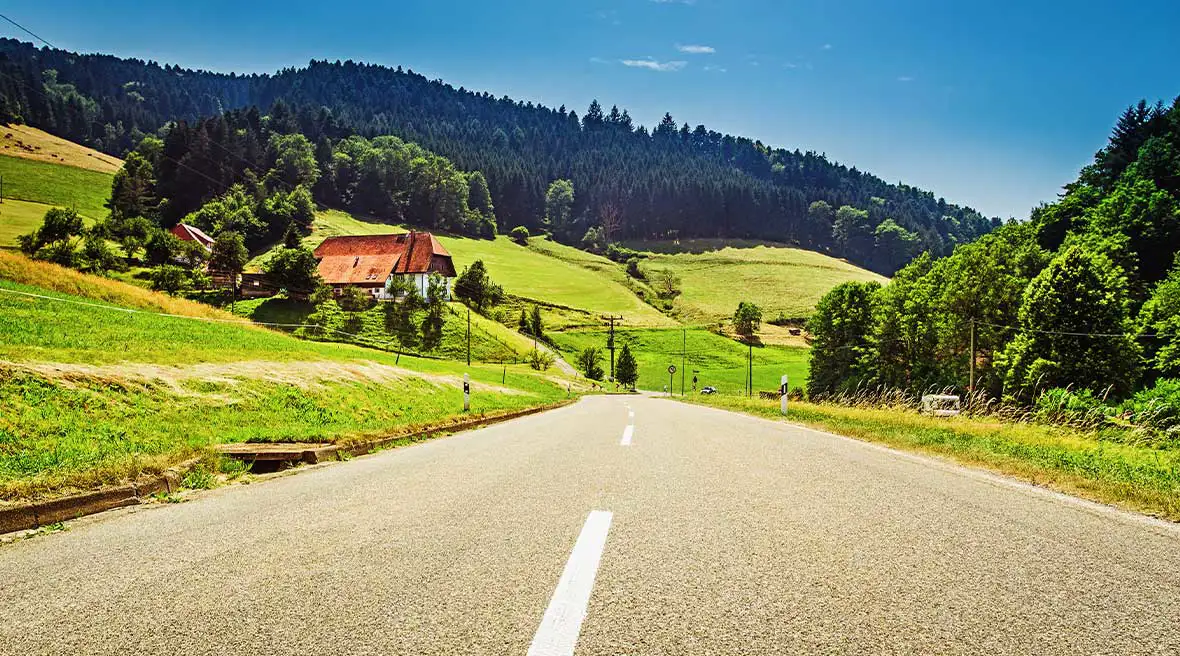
(468, 337)
(683, 347)
(750, 369)
(610, 342)
(971, 362)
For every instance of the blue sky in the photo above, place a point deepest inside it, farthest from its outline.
(993, 104)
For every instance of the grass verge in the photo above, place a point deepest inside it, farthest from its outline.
(1137, 478)
(60, 436)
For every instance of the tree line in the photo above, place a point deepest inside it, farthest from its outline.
(1085, 295)
(669, 181)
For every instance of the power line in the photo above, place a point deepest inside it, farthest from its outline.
(239, 322)
(29, 32)
(219, 183)
(1073, 334)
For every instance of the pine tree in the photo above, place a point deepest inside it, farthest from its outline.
(626, 368)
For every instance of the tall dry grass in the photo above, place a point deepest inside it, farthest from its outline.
(20, 269)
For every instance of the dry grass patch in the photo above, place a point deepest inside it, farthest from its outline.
(30, 143)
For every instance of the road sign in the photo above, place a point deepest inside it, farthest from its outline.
(466, 392)
(671, 369)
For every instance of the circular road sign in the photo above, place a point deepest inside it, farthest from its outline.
(671, 368)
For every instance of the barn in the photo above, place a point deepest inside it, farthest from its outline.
(186, 232)
(370, 262)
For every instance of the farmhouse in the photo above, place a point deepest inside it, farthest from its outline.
(187, 232)
(371, 261)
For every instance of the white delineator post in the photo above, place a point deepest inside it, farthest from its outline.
(466, 392)
(782, 390)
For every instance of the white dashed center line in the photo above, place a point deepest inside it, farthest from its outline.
(558, 633)
(628, 432)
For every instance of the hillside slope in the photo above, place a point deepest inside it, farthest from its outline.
(716, 274)
(48, 184)
(94, 393)
(30, 143)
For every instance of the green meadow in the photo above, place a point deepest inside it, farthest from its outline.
(717, 361)
(55, 185)
(716, 274)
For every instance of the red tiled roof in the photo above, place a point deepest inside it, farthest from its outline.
(187, 232)
(369, 259)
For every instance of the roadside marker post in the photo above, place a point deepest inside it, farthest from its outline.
(466, 392)
(782, 390)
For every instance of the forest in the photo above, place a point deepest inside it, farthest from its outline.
(635, 182)
(1082, 301)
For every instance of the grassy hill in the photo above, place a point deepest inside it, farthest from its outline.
(40, 186)
(715, 274)
(30, 143)
(93, 393)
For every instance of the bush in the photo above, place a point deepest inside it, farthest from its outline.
(633, 269)
(1065, 406)
(1156, 408)
(520, 235)
(162, 247)
(621, 253)
(97, 257)
(169, 278)
(540, 360)
(590, 361)
(593, 240)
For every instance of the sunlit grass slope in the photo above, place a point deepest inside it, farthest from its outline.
(92, 395)
(716, 274)
(56, 185)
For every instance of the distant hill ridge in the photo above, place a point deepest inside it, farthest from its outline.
(667, 182)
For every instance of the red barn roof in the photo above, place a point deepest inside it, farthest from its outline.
(370, 259)
(187, 232)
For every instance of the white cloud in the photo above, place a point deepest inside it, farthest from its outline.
(716, 69)
(696, 50)
(675, 2)
(654, 65)
(827, 46)
(905, 78)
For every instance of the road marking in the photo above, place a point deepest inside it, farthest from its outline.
(558, 633)
(630, 414)
(628, 432)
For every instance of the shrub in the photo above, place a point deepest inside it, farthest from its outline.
(1156, 408)
(1076, 407)
(540, 360)
(633, 269)
(621, 253)
(169, 278)
(590, 361)
(520, 235)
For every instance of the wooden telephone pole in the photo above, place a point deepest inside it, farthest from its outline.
(610, 342)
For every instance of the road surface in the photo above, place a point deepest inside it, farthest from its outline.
(613, 526)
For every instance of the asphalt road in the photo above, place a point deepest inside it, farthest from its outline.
(709, 533)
